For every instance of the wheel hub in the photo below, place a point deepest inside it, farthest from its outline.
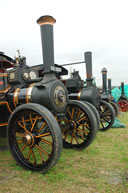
(28, 139)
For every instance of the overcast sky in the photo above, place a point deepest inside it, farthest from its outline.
(100, 26)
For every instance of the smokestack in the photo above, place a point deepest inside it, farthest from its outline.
(88, 61)
(122, 88)
(46, 26)
(109, 85)
(104, 79)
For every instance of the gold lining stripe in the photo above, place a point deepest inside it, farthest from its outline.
(6, 103)
(3, 124)
(3, 74)
(29, 91)
(5, 89)
(79, 94)
(15, 97)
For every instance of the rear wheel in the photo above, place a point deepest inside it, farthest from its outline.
(123, 105)
(34, 137)
(107, 115)
(79, 127)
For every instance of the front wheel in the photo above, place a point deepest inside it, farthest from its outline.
(34, 137)
(107, 115)
(79, 127)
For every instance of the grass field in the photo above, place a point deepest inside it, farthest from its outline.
(102, 167)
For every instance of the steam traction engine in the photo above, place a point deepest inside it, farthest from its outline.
(34, 105)
(89, 94)
(123, 100)
(106, 92)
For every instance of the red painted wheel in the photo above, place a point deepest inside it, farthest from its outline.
(123, 105)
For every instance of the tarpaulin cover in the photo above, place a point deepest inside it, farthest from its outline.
(118, 124)
(116, 93)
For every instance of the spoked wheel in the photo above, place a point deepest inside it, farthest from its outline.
(34, 137)
(79, 126)
(116, 108)
(107, 115)
(123, 105)
(95, 111)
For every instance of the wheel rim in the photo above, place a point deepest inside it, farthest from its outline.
(32, 139)
(76, 129)
(123, 105)
(105, 117)
(116, 108)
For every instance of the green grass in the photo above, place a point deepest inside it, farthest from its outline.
(102, 167)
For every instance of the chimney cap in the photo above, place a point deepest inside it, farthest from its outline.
(46, 19)
(104, 71)
(2, 53)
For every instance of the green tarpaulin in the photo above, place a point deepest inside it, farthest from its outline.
(116, 93)
(118, 124)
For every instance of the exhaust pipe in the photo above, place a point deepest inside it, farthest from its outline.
(122, 88)
(109, 86)
(88, 61)
(46, 27)
(104, 79)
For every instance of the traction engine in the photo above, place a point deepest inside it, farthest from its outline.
(123, 100)
(89, 94)
(106, 92)
(35, 108)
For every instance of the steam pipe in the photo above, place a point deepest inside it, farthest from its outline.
(109, 86)
(88, 61)
(104, 79)
(46, 27)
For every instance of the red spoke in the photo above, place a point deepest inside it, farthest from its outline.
(29, 153)
(81, 119)
(41, 156)
(31, 119)
(72, 137)
(81, 135)
(23, 148)
(45, 134)
(33, 156)
(23, 126)
(82, 131)
(19, 141)
(69, 113)
(83, 124)
(41, 150)
(19, 134)
(79, 112)
(76, 139)
(72, 113)
(34, 123)
(45, 141)
(42, 126)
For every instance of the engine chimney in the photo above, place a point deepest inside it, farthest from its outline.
(104, 79)
(88, 61)
(109, 85)
(46, 26)
(122, 88)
